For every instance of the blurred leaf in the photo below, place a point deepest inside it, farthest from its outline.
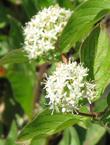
(16, 33)
(38, 141)
(11, 139)
(108, 99)
(29, 7)
(14, 56)
(16, 1)
(94, 134)
(46, 124)
(2, 25)
(70, 137)
(4, 45)
(22, 80)
(67, 4)
(40, 4)
(82, 21)
(2, 142)
(88, 50)
(3, 14)
(100, 105)
(102, 62)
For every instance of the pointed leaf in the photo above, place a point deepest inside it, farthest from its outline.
(46, 124)
(95, 53)
(82, 21)
(88, 50)
(102, 62)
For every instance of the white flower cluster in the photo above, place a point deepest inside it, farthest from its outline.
(67, 88)
(42, 32)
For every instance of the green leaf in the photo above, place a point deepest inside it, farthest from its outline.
(2, 142)
(14, 56)
(36, 141)
(16, 33)
(88, 50)
(23, 91)
(108, 97)
(67, 4)
(40, 4)
(16, 2)
(95, 52)
(4, 45)
(82, 21)
(70, 137)
(46, 124)
(100, 105)
(11, 139)
(102, 62)
(94, 134)
(29, 7)
(3, 14)
(105, 119)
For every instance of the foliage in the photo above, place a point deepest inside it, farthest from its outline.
(86, 38)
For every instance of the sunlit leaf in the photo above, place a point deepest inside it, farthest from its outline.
(46, 124)
(102, 62)
(82, 21)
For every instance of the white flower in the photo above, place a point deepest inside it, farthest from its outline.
(42, 32)
(67, 87)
